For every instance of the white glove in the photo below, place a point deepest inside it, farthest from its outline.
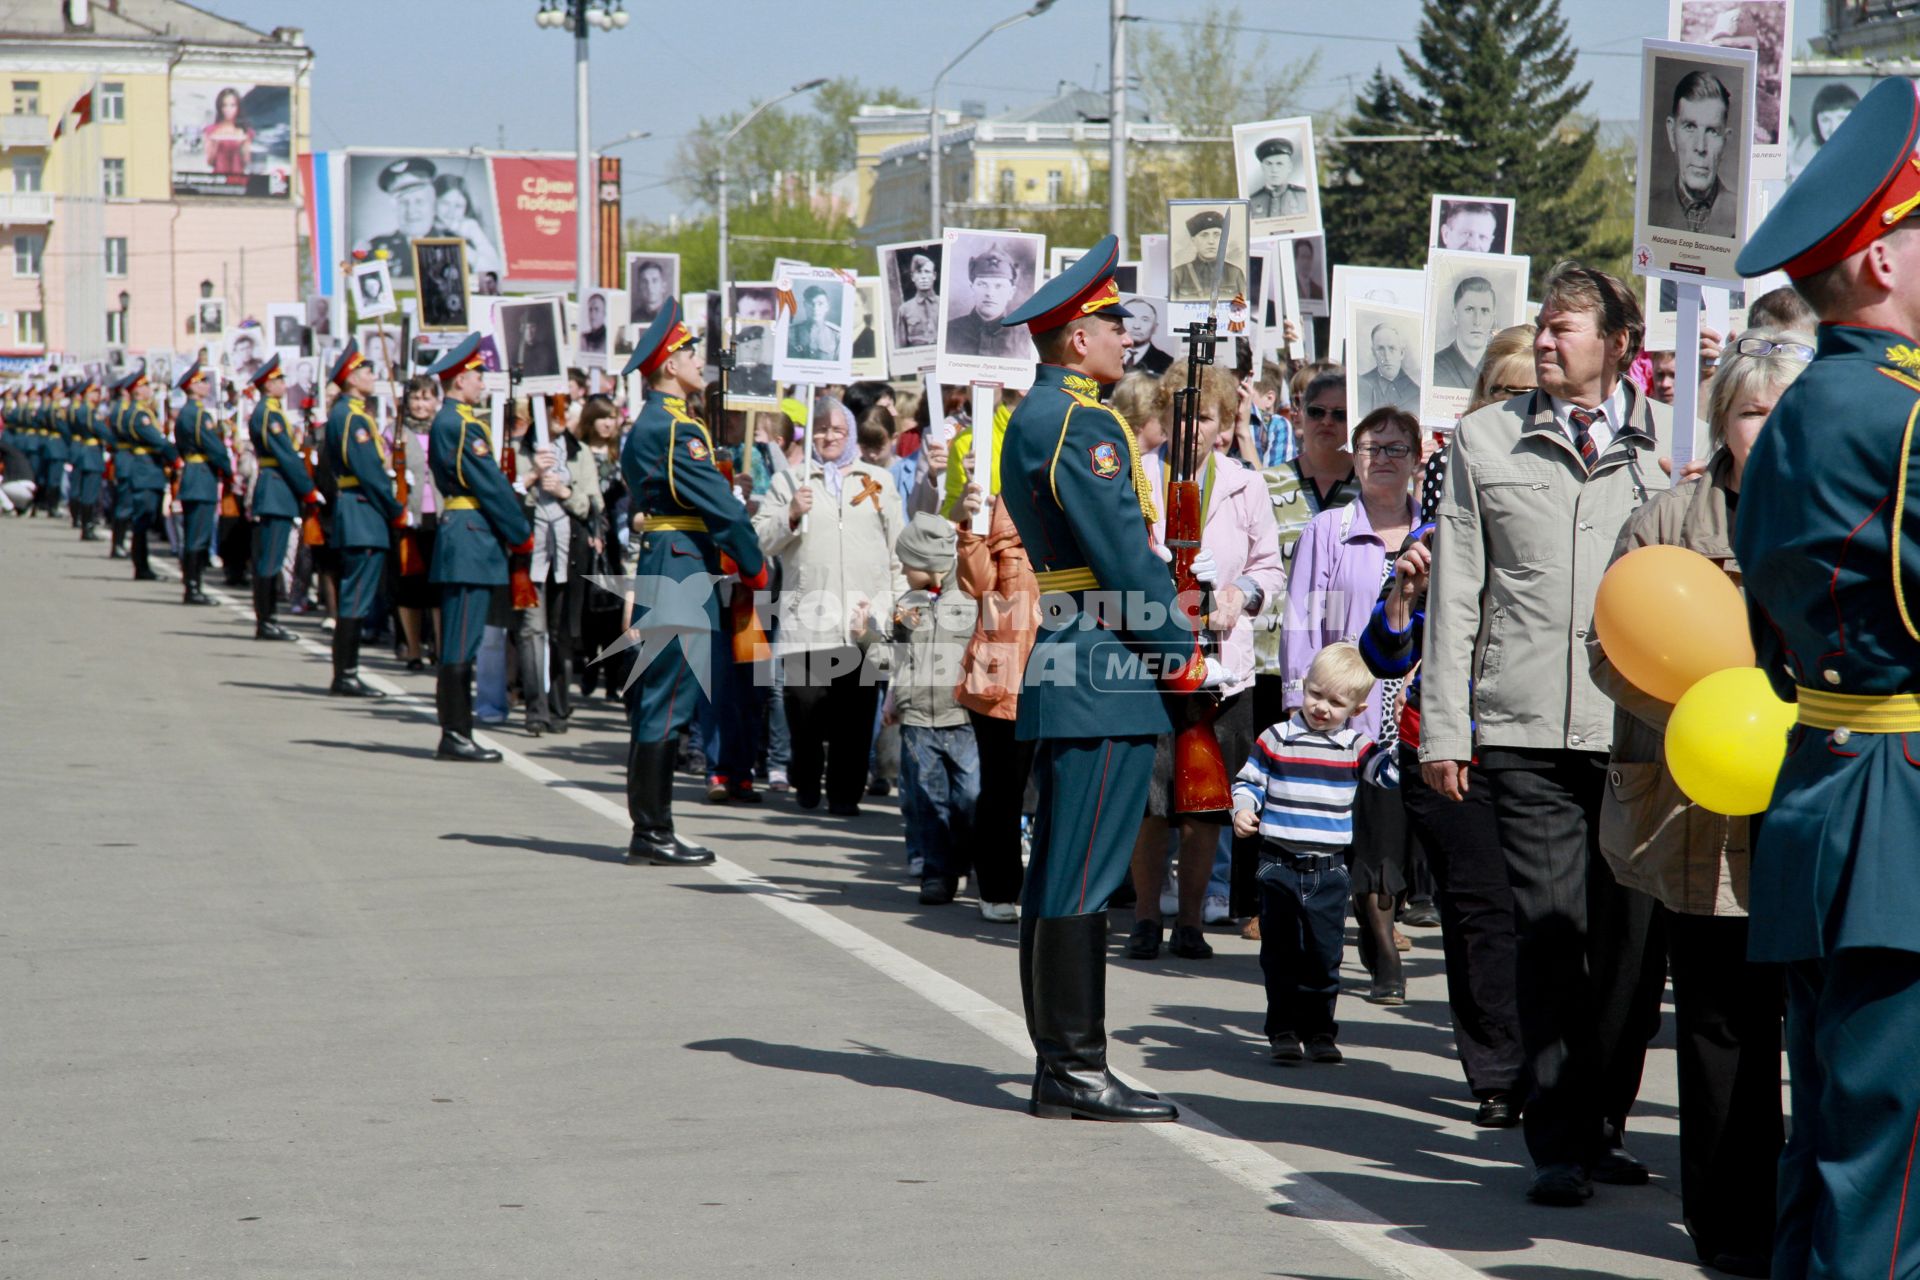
(1205, 568)
(1216, 676)
(1160, 549)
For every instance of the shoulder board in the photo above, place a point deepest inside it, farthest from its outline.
(1083, 400)
(1904, 380)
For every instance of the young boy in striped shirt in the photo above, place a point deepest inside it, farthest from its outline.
(1297, 791)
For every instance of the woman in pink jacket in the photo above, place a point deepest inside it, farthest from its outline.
(1240, 557)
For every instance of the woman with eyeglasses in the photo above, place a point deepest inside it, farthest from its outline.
(1695, 864)
(1342, 560)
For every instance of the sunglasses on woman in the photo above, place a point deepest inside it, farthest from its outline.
(1320, 413)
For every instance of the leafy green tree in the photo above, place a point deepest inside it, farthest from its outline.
(816, 142)
(757, 234)
(1493, 80)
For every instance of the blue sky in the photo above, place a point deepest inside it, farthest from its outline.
(462, 73)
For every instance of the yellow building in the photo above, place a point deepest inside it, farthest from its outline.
(183, 183)
(1033, 159)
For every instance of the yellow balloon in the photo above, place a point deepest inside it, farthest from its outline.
(1727, 739)
(1667, 616)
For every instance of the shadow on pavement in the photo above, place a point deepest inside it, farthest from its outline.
(874, 1067)
(374, 748)
(537, 844)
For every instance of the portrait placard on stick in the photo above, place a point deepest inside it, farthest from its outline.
(1470, 297)
(1392, 286)
(1696, 149)
(440, 275)
(988, 274)
(811, 342)
(749, 312)
(1209, 251)
(1472, 224)
(1274, 162)
(911, 274)
(1384, 344)
(869, 333)
(533, 335)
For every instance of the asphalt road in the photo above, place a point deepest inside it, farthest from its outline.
(285, 997)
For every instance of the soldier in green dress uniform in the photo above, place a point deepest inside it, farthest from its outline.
(150, 455)
(480, 518)
(120, 500)
(204, 462)
(1113, 649)
(59, 448)
(1828, 537)
(365, 508)
(89, 457)
(279, 491)
(693, 516)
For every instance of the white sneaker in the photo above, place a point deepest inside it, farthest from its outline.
(327, 625)
(1000, 912)
(916, 866)
(1215, 911)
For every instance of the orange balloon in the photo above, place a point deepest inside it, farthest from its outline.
(1667, 617)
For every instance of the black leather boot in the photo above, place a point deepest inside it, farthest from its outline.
(453, 698)
(346, 662)
(118, 551)
(142, 563)
(1069, 1023)
(264, 627)
(650, 805)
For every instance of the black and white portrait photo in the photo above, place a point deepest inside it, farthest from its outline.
(1208, 251)
(652, 278)
(1146, 323)
(1816, 106)
(1310, 271)
(531, 332)
(1274, 163)
(210, 317)
(812, 343)
(1472, 224)
(988, 274)
(395, 198)
(1384, 345)
(1759, 25)
(751, 310)
(1696, 148)
(320, 317)
(382, 345)
(869, 333)
(287, 323)
(911, 275)
(440, 278)
(1470, 298)
(246, 349)
(372, 289)
(1059, 259)
(600, 317)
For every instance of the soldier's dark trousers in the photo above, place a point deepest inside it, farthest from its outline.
(1850, 1176)
(1092, 793)
(1591, 953)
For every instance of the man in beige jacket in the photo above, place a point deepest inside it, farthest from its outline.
(1537, 490)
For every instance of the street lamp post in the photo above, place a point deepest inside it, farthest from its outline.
(726, 144)
(934, 217)
(577, 16)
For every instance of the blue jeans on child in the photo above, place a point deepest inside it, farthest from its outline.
(939, 789)
(1303, 923)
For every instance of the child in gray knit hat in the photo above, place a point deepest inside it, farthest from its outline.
(939, 761)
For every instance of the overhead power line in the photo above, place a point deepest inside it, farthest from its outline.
(1361, 39)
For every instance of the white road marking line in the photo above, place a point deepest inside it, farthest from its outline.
(1299, 1195)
